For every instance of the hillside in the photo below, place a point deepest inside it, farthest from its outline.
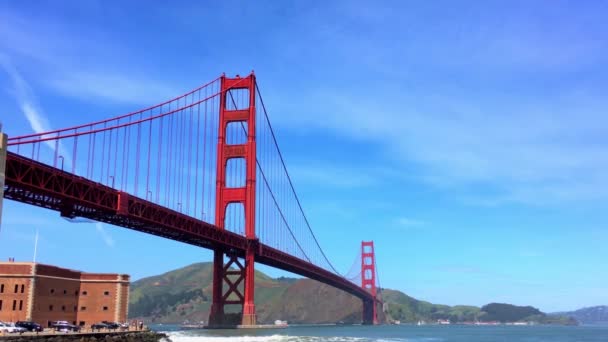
(511, 313)
(404, 308)
(185, 294)
(590, 315)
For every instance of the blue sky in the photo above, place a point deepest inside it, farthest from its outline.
(466, 139)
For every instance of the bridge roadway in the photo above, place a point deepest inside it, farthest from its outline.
(39, 184)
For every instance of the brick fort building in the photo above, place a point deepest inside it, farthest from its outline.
(43, 294)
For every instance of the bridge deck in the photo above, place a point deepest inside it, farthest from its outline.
(39, 184)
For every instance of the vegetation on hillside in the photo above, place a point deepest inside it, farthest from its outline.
(185, 294)
(511, 313)
(403, 308)
(160, 304)
(507, 313)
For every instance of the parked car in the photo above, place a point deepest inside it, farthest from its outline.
(99, 326)
(10, 328)
(111, 325)
(60, 322)
(64, 326)
(29, 326)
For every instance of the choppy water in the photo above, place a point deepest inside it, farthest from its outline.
(409, 333)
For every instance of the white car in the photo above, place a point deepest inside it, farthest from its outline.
(11, 328)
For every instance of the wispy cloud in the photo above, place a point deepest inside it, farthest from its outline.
(87, 66)
(406, 222)
(462, 269)
(111, 86)
(502, 108)
(30, 221)
(25, 98)
(27, 239)
(482, 273)
(530, 253)
(107, 239)
(338, 176)
(475, 104)
(542, 150)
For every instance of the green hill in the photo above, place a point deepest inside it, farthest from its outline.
(508, 313)
(404, 308)
(185, 294)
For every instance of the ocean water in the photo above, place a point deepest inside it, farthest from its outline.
(409, 333)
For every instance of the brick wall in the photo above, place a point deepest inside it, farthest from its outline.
(99, 299)
(15, 280)
(55, 299)
(61, 294)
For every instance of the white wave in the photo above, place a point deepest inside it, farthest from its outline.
(200, 336)
(186, 337)
(180, 336)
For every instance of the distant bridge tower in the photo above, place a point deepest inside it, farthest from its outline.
(244, 196)
(368, 281)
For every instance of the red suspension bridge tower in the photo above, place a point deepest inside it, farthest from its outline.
(244, 196)
(368, 281)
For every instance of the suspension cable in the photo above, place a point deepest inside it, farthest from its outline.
(270, 190)
(291, 183)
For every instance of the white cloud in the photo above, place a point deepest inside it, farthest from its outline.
(409, 222)
(104, 235)
(112, 86)
(26, 99)
(333, 175)
(529, 253)
(497, 108)
(537, 151)
(38, 122)
(86, 65)
(27, 102)
(413, 98)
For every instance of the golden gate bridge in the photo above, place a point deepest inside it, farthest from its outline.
(203, 168)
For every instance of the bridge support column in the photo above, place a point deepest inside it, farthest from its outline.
(249, 316)
(216, 315)
(369, 312)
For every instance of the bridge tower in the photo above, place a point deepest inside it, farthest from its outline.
(244, 196)
(368, 281)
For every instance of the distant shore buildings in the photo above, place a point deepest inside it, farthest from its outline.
(44, 293)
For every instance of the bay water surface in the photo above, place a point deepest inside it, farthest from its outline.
(447, 333)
